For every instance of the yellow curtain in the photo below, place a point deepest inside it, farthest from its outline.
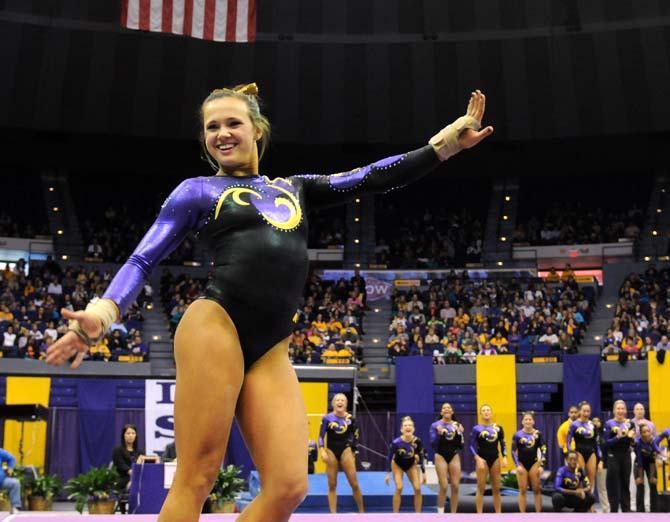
(315, 395)
(659, 392)
(496, 386)
(27, 390)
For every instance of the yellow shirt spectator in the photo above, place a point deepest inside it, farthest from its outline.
(568, 274)
(552, 276)
(335, 325)
(562, 436)
(499, 341)
(344, 330)
(343, 356)
(329, 355)
(101, 349)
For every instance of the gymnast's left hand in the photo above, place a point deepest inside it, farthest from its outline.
(468, 138)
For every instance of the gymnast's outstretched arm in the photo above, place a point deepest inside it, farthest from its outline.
(179, 215)
(397, 171)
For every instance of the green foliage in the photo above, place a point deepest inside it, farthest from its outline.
(227, 484)
(509, 481)
(45, 486)
(97, 484)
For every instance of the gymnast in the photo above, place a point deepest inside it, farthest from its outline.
(341, 433)
(446, 438)
(619, 435)
(647, 452)
(583, 432)
(484, 441)
(406, 453)
(526, 444)
(256, 229)
(572, 487)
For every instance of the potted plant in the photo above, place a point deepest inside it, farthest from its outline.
(509, 480)
(41, 492)
(98, 488)
(226, 486)
(4, 501)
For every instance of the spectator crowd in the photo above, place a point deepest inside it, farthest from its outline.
(30, 304)
(640, 323)
(457, 318)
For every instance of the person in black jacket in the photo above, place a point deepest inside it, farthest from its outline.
(124, 456)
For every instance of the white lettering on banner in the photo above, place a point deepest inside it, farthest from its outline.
(158, 414)
(377, 289)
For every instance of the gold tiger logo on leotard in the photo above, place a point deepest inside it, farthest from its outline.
(338, 428)
(290, 202)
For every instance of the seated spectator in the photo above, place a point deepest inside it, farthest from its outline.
(317, 341)
(320, 324)
(469, 354)
(31, 351)
(397, 346)
(452, 355)
(420, 349)
(632, 344)
(488, 350)
(137, 347)
(438, 356)
(431, 338)
(335, 326)
(94, 251)
(549, 338)
(398, 320)
(568, 273)
(610, 345)
(345, 355)
(330, 355)
(663, 344)
(417, 317)
(566, 343)
(552, 276)
(500, 343)
(647, 347)
(5, 313)
(101, 351)
(8, 481)
(51, 330)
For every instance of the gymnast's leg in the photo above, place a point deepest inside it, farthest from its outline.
(210, 370)
(271, 414)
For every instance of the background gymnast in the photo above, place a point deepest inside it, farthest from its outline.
(484, 441)
(406, 456)
(446, 438)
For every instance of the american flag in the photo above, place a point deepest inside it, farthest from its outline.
(219, 20)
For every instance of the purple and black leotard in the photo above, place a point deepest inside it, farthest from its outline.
(339, 432)
(256, 229)
(484, 441)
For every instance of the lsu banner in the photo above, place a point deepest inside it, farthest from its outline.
(496, 386)
(159, 414)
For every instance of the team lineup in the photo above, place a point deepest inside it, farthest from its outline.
(622, 445)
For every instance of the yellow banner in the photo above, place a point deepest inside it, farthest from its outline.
(315, 395)
(496, 386)
(27, 390)
(659, 391)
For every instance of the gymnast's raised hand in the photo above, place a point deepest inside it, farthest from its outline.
(465, 132)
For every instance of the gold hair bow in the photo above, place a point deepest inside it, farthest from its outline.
(248, 88)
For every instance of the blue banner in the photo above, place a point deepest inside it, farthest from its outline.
(97, 430)
(414, 394)
(581, 381)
